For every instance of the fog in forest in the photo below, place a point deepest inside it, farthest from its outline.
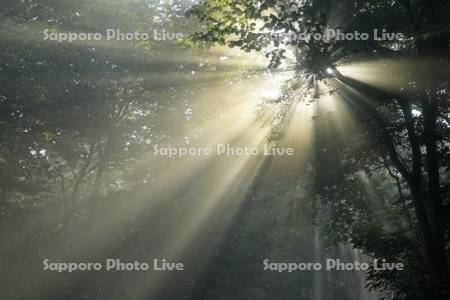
(216, 158)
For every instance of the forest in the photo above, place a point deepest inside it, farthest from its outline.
(225, 149)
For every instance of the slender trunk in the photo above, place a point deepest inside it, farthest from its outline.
(401, 195)
(103, 162)
(71, 206)
(434, 202)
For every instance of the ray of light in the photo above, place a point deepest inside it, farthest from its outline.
(203, 187)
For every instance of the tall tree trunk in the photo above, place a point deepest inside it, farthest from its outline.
(434, 201)
(426, 211)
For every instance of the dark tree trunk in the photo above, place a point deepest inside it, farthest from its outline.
(427, 203)
(434, 201)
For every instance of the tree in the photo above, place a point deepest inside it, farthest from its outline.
(413, 148)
